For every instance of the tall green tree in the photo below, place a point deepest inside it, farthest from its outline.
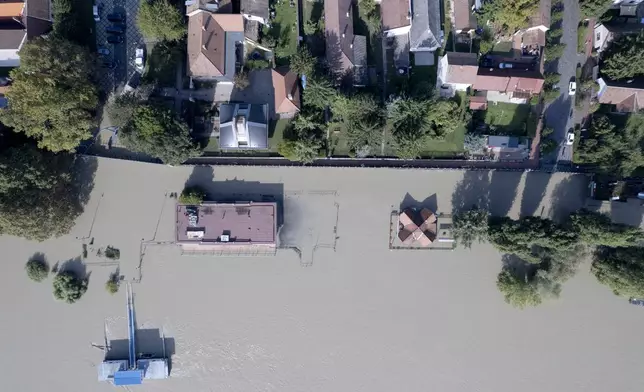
(41, 193)
(52, 98)
(157, 132)
(621, 269)
(160, 20)
(319, 93)
(614, 150)
(531, 237)
(594, 8)
(303, 62)
(595, 228)
(303, 150)
(470, 226)
(625, 57)
(518, 291)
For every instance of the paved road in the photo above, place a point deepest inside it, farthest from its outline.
(558, 112)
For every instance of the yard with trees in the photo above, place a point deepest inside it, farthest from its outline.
(508, 15)
(157, 132)
(613, 145)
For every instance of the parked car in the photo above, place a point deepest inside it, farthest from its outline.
(116, 17)
(487, 62)
(109, 64)
(505, 65)
(115, 29)
(572, 88)
(97, 16)
(114, 39)
(570, 138)
(139, 60)
(103, 51)
(636, 301)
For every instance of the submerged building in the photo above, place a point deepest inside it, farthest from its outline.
(136, 368)
(243, 228)
(420, 229)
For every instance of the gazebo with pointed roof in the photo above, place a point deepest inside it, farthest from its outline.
(417, 227)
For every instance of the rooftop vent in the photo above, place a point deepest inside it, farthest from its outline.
(224, 238)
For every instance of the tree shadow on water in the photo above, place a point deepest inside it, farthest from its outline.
(472, 190)
(503, 191)
(568, 196)
(533, 192)
(409, 202)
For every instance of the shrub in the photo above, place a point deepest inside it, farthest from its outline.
(112, 284)
(37, 270)
(257, 64)
(112, 253)
(193, 195)
(241, 80)
(68, 287)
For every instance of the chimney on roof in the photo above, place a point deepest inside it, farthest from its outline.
(290, 96)
(203, 47)
(348, 14)
(351, 46)
(342, 35)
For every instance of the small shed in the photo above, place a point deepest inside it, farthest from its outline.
(478, 103)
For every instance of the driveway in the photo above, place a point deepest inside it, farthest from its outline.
(123, 53)
(558, 112)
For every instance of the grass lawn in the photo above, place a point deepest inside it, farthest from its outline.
(508, 118)
(451, 146)
(276, 133)
(503, 47)
(284, 30)
(212, 146)
(423, 78)
(313, 12)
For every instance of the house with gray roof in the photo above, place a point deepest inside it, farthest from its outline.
(346, 53)
(243, 126)
(426, 34)
(256, 10)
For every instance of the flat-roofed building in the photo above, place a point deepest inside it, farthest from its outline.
(243, 228)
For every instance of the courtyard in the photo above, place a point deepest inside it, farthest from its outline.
(357, 318)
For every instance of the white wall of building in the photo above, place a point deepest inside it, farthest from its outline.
(398, 31)
(9, 58)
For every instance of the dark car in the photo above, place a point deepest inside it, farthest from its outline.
(115, 39)
(115, 29)
(116, 17)
(109, 64)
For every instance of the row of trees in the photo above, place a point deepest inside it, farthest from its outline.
(542, 255)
